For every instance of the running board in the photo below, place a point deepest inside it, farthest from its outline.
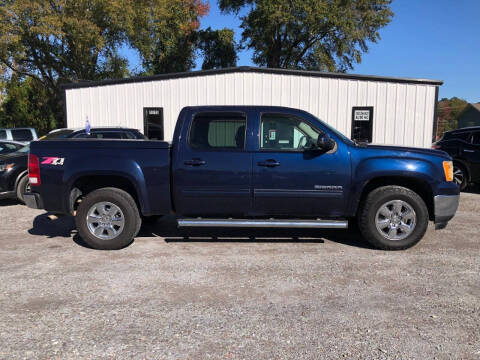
(264, 223)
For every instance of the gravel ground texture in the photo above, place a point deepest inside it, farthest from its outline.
(237, 294)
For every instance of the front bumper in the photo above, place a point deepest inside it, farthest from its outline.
(33, 200)
(445, 208)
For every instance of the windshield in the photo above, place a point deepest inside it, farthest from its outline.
(336, 132)
(57, 134)
(24, 149)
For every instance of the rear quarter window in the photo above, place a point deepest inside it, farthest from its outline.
(3, 134)
(22, 134)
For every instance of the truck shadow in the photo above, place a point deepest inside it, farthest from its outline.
(472, 189)
(9, 202)
(166, 228)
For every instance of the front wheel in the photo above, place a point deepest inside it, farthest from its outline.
(108, 219)
(393, 218)
(460, 176)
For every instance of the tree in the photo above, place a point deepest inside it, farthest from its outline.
(218, 48)
(27, 103)
(322, 35)
(166, 37)
(59, 41)
(449, 111)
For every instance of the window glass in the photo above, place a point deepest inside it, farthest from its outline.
(22, 135)
(465, 136)
(6, 148)
(217, 131)
(281, 132)
(107, 135)
(99, 135)
(476, 138)
(128, 135)
(57, 134)
(3, 134)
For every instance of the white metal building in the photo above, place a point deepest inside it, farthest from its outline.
(382, 110)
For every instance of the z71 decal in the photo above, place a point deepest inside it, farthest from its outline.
(52, 161)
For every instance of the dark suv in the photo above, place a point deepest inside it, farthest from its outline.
(463, 145)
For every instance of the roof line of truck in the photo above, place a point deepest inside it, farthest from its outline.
(250, 69)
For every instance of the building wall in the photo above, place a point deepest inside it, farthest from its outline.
(403, 113)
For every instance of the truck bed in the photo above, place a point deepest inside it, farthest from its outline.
(142, 164)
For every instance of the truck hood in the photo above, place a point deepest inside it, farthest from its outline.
(404, 150)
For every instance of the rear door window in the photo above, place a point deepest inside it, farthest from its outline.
(464, 136)
(3, 134)
(218, 131)
(21, 135)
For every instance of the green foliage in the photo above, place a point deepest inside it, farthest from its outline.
(164, 33)
(310, 34)
(449, 111)
(61, 41)
(218, 48)
(27, 103)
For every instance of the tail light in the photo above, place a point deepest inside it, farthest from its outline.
(34, 170)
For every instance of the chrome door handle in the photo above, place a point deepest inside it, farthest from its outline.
(465, 150)
(269, 163)
(195, 162)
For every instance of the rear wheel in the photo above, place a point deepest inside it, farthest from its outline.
(108, 219)
(23, 186)
(393, 218)
(460, 176)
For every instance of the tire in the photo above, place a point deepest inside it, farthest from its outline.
(22, 187)
(388, 232)
(460, 175)
(118, 219)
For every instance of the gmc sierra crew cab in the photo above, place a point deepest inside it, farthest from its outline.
(244, 166)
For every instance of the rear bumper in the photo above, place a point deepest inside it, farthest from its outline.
(33, 200)
(445, 208)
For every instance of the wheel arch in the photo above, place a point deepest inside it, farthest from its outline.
(19, 177)
(419, 186)
(85, 184)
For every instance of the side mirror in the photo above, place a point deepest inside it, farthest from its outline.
(325, 143)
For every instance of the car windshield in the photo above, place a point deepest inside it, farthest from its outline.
(57, 134)
(24, 149)
(6, 148)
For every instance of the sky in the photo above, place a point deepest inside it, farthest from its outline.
(433, 39)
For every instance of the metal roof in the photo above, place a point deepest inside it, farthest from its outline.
(476, 106)
(249, 69)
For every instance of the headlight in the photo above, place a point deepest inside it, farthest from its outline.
(6, 167)
(448, 170)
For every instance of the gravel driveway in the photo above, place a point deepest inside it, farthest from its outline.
(322, 295)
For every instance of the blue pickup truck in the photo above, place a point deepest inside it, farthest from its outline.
(244, 166)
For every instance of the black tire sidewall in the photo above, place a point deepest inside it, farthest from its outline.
(21, 188)
(130, 212)
(379, 198)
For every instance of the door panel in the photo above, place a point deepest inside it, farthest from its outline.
(471, 153)
(291, 178)
(213, 175)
